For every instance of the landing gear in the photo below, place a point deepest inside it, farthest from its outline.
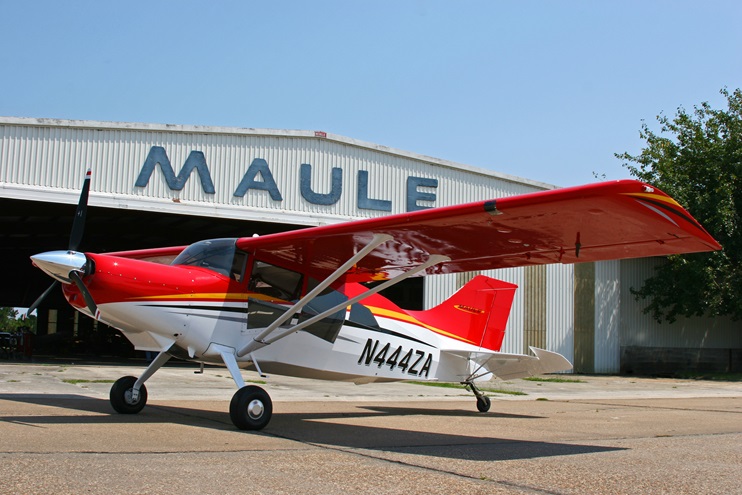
(129, 395)
(251, 408)
(483, 402)
(124, 399)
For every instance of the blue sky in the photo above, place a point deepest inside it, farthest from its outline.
(544, 90)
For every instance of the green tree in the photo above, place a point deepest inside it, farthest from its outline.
(10, 320)
(697, 159)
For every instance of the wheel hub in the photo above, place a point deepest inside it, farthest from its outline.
(255, 409)
(130, 397)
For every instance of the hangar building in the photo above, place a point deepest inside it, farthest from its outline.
(162, 185)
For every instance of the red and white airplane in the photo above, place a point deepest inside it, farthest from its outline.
(294, 303)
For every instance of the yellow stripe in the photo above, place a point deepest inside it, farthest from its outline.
(240, 296)
(409, 319)
(656, 197)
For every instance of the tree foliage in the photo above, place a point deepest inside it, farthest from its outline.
(697, 159)
(10, 320)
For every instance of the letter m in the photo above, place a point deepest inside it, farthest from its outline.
(158, 156)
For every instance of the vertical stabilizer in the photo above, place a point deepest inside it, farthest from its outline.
(477, 313)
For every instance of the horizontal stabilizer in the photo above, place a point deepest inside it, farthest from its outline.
(511, 366)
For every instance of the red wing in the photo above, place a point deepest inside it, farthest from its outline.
(612, 220)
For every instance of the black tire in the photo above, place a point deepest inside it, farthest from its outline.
(483, 403)
(121, 396)
(251, 408)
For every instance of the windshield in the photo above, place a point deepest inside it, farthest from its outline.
(219, 255)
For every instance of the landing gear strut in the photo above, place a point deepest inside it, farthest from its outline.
(129, 395)
(251, 407)
(483, 402)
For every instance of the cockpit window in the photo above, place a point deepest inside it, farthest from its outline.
(219, 255)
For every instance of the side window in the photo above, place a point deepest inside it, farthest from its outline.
(274, 281)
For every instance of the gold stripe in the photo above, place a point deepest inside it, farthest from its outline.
(656, 197)
(240, 296)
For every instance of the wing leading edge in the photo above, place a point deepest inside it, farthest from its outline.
(611, 220)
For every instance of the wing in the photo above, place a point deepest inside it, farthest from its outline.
(611, 220)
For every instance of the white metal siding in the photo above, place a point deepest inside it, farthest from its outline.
(607, 316)
(639, 329)
(52, 159)
(560, 321)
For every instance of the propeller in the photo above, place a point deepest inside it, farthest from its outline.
(49, 262)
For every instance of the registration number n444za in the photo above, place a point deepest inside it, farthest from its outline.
(406, 361)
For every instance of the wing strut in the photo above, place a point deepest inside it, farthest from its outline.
(266, 338)
(377, 241)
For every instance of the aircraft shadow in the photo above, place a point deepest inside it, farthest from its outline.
(322, 429)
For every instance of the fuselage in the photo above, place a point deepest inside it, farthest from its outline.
(196, 310)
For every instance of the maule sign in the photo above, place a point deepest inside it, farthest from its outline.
(258, 176)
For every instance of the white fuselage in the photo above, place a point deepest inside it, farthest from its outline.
(396, 350)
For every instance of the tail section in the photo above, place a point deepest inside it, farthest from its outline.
(477, 313)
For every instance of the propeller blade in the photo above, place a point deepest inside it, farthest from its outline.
(75, 277)
(78, 225)
(38, 301)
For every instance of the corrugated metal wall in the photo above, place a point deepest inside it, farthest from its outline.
(639, 329)
(607, 353)
(560, 310)
(53, 157)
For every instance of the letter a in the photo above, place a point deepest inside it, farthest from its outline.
(259, 166)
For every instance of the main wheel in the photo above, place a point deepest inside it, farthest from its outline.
(251, 408)
(483, 403)
(121, 396)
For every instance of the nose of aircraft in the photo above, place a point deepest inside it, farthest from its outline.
(59, 264)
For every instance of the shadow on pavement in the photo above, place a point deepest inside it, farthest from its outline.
(325, 429)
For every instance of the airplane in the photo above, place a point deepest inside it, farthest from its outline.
(306, 303)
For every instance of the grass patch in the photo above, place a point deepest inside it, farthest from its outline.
(73, 381)
(438, 384)
(460, 387)
(553, 379)
(502, 391)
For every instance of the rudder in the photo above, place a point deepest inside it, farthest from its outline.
(477, 313)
